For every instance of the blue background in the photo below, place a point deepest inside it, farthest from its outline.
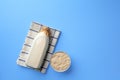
(90, 35)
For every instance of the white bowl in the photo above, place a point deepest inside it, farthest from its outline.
(64, 69)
